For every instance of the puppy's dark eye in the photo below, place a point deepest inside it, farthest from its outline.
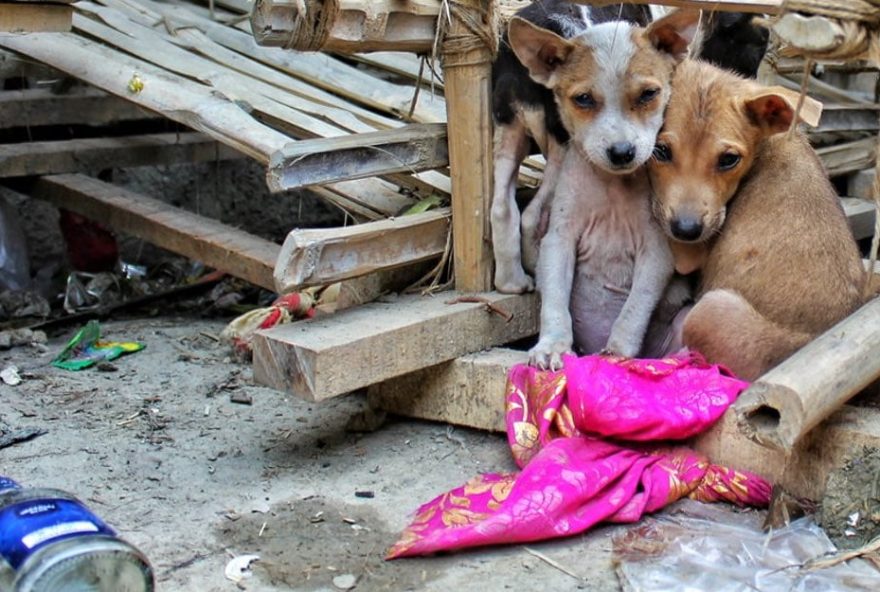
(728, 160)
(662, 152)
(648, 95)
(584, 101)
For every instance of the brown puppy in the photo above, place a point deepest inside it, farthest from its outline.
(752, 207)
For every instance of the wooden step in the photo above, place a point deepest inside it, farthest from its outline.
(333, 355)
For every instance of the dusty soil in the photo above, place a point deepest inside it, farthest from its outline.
(850, 510)
(158, 448)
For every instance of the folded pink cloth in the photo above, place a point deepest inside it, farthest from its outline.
(565, 430)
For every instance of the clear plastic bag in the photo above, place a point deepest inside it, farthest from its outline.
(14, 262)
(694, 547)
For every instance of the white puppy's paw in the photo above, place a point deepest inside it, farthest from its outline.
(547, 353)
(622, 347)
(513, 280)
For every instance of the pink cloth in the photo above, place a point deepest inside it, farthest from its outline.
(564, 430)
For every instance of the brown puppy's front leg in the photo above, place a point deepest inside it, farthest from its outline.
(654, 267)
(535, 217)
(749, 344)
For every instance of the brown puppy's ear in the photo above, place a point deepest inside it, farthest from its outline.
(674, 32)
(540, 51)
(773, 109)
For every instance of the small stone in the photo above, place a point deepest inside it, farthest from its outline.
(366, 494)
(10, 376)
(345, 581)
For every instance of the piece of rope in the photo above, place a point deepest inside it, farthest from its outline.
(850, 10)
(478, 29)
(311, 29)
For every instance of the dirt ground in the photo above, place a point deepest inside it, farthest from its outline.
(156, 446)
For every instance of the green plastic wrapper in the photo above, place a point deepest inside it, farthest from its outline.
(87, 349)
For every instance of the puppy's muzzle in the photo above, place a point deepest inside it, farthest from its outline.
(621, 154)
(686, 228)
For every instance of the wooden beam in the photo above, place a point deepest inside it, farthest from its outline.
(312, 162)
(847, 118)
(860, 213)
(314, 257)
(330, 356)
(468, 78)
(96, 154)
(32, 17)
(346, 26)
(34, 107)
(848, 157)
(209, 241)
(468, 391)
(175, 97)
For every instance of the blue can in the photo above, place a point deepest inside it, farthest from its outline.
(50, 542)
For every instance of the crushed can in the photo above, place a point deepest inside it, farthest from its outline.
(51, 542)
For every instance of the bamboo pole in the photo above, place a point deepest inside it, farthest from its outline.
(791, 399)
(346, 26)
(468, 48)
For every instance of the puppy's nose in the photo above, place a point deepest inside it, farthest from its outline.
(686, 229)
(621, 153)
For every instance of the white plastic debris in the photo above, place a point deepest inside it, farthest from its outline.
(345, 581)
(238, 568)
(10, 376)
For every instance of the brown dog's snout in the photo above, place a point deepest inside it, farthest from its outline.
(686, 227)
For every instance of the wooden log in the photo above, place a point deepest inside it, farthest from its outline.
(812, 34)
(346, 26)
(861, 214)
(213, 243)
(34, 17)
(96, 154)
(330, 356)
(468, 391)
(35, 107)
(792, 398)
(468, 78)
(313, 162)
(314, 257)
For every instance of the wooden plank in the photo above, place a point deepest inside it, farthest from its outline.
(34, 17)
(845, 158)
(860, 213)
(96, 154)
(330, 356)
(847, 118)
(314, 257)
(860, 184)
(173, 96)
(209, 241)
(34, 107)
(468, 391)
(312, 162)
(468, 78)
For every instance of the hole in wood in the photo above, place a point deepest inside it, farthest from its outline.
(764, 418)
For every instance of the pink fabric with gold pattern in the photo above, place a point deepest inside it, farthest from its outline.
(565, 430)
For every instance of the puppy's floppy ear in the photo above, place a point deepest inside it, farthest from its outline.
(540, 51)
(773, 109)
(674, 32)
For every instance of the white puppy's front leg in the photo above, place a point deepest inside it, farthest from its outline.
(654, 267)
(556, 261)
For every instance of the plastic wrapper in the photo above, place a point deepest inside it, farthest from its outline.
(696, 547)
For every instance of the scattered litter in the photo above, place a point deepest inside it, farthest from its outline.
(238, 568)
(319, 517)
(367, 494)
(241, 398)
(15, 337)
(240, 331)
(86, 349)
(88, 291)
(17, 436)
(345, 581)
(698, 546)
(553, 563)
(349, 520)
(10, 376)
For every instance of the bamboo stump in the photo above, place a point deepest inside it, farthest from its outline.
(468, 50)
